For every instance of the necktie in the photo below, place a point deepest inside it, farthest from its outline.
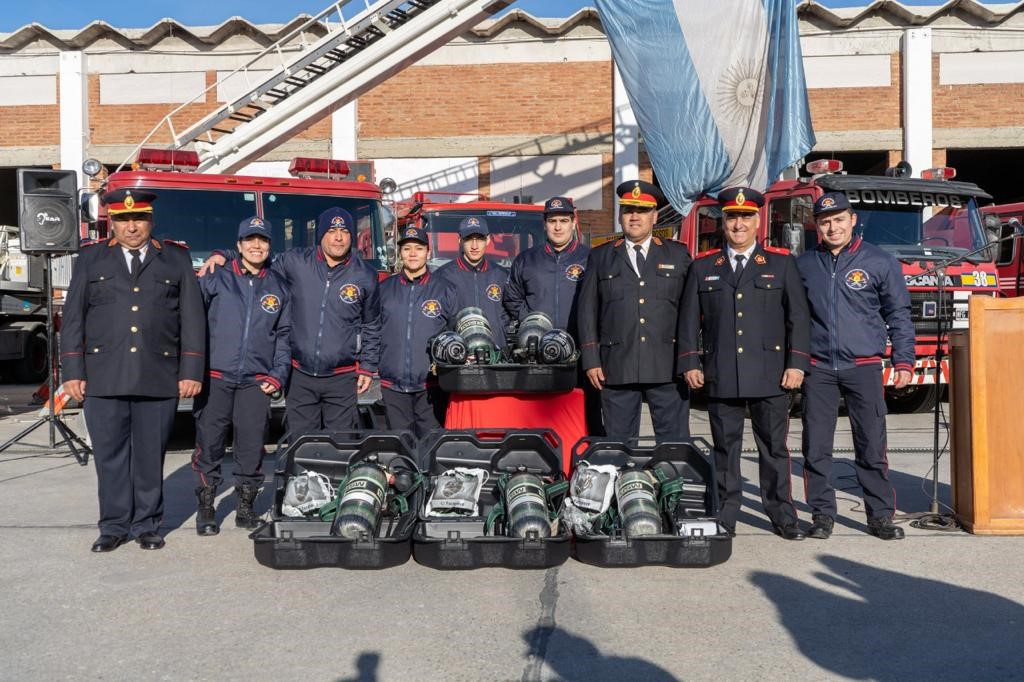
(640, 260)
(136, 261)
(739, 265)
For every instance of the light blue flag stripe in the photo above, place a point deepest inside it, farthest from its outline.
(717, 88)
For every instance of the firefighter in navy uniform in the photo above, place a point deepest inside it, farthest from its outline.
(859, 301)
(133, 337)
(748, 308)
(629, 311)
(415, 306)
(249, 320)
(546, 277)
(335, 335)
(478, 280)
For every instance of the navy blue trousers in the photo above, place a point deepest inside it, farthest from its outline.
(769, 418)
(669, 405)
(861, 388)
(419, 412)
(220, 406)
(129, 439)
(321, 403)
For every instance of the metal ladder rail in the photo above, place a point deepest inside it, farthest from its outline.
(278, 48)
(383, 59)
(332, 50)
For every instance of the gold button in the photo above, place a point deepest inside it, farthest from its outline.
(643, 338)
(95, 350)
(739, 332)
(711, 288)
(167, 352)
(739, 350)
(778, 347)
(739, 314)
(167, 281)
(641, 300)
(739, 296)
(610, 276)
(102, 278)
(135, 308)
(641, 282)
(768, 287)
(135, 289)
(642, 320)
(134, 329)
(133, 349)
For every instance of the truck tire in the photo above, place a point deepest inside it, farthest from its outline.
(31, 369)
(912, 399)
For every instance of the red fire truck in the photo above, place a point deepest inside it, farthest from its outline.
(923, 222)
(513, 227)
(204, 210)
(1010, 255)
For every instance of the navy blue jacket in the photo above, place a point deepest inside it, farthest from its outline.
(546, 280)
(248, 325)
(412, 313)
(853, 298)
(336, 311)
(480, 287)
(133, 336)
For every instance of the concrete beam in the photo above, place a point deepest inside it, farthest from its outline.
(858, 140)
(627, 133)
(345, 131)
(917, 98)
(74, 113)
(979, 138)
(29, 156)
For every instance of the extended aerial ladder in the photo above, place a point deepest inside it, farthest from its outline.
(294, 82)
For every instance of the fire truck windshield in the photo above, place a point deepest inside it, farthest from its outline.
(511, 233)
(915, 231)
(208, 219)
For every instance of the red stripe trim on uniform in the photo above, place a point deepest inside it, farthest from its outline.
(903, 365)
(461, 265)
(814, 362)
(799, 352)
(198, 355)
(75, 352)
(234, 266)
(868, 361)
(295, 364)
(689, 352)
(589, 343)
(195, 466)
(345, 369)
(855, 244)
(216, 374)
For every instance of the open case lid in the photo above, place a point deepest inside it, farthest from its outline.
(333, 453)
(690, 460)
(538, 451)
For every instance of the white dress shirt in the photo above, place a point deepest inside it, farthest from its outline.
(645, 247)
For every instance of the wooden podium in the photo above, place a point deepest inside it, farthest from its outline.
(985, 398)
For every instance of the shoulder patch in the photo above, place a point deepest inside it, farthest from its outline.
(776, 249)
(172, 242)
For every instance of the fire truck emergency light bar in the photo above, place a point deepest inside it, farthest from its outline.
(166, 159)
(944, 173)
(824, 166)
(308, 167)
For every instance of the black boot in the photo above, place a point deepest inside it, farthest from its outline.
(206, 521)
(245, 517)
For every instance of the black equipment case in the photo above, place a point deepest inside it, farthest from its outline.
(507, 378)
(460, 542)
(696, 467)
(292, 542)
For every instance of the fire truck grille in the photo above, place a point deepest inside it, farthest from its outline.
(924, 312)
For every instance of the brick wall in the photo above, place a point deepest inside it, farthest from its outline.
(837, 109)
(988, 105)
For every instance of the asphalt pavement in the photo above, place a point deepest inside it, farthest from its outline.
(935, 606)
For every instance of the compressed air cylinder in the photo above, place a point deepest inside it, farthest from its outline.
(636, 492)
(361, 502)
(526, 506)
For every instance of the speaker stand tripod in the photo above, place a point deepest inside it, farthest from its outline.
(80, 450)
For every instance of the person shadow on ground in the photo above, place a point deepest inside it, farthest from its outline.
(865, 622)
(572, 657)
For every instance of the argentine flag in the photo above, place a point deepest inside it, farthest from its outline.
(717, 87)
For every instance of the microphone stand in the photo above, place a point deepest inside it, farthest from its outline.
(934, 519)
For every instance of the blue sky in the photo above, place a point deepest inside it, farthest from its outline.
(135, 14)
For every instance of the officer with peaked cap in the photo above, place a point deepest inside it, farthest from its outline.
(629, 309)
(859, 305)
(133, 342)
(747, 307)
(249, 320)
(335, 336)
(479, 281)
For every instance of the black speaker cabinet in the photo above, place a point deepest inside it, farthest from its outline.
(48, 211)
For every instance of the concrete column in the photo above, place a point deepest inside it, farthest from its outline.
(917, 98)
(627, 137)
(74, 113)
(345, 132)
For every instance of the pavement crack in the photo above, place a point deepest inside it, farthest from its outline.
(541, 634)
